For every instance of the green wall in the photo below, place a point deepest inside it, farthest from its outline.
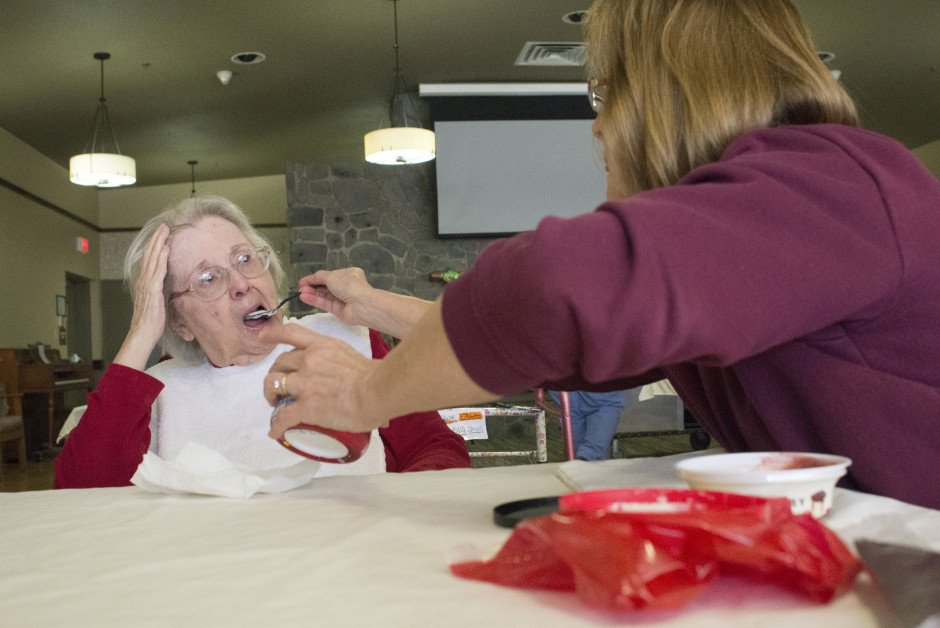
(38, 244)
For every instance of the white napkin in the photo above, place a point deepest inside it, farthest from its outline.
(662, 387)
(203, 471)
(579, 475)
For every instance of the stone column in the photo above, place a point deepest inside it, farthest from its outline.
(380, 218)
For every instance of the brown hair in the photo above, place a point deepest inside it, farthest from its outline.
(685, 77)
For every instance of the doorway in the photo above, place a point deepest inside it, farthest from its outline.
(78, 324)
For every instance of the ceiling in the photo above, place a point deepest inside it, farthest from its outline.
(327, 75)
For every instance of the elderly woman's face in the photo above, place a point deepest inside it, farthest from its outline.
(219, 325)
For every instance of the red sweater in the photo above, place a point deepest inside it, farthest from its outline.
(109, 442)
(790, 291)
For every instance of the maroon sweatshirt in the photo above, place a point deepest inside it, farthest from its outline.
(790, 292)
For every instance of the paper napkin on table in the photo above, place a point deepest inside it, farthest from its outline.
(203, 471)
(579, 475)
(662, 387)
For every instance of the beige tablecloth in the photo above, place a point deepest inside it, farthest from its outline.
(352, 551)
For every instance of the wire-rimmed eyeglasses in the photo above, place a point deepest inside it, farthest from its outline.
(597, 91)
(211, 283)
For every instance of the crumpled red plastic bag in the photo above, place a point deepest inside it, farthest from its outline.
(633, 549)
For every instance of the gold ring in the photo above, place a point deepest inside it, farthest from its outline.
(280, 386)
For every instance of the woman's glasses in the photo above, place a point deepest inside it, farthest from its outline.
(597, 91)
(212, 283)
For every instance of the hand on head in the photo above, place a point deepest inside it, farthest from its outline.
(149, 317)
(326, 376)
(149, 306)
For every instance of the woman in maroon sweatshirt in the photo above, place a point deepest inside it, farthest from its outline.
(778, 264)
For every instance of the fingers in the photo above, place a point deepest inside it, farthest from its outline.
(323, 289)
(276, 384)
(285, 419)
(316, 279)
(318, 296)
(158, 242)
(280, 386)
(149, 315)
(289, 334)
(308, 294)
(323, 277)
(153, 263)
(325, 378)
(149, 309)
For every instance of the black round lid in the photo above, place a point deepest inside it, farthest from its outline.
(509, 514)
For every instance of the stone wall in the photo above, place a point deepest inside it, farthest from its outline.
(382, 219)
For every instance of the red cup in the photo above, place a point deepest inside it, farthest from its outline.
(322, 443)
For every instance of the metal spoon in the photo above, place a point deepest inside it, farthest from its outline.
(265, 314)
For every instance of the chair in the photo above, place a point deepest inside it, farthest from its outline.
(455, 416)
(470, 423)
(564, 412)
(11, 427)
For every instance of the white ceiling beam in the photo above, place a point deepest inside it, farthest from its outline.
(503, 89)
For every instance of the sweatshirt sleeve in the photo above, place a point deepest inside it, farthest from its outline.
(420, 441)
(110, 440)
(785, 235)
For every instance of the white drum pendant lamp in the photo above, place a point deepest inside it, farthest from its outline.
(97, 166)
(399, 145)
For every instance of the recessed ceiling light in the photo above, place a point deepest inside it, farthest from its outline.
(246, 58)
(575, 17)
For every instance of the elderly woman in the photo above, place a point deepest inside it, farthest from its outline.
(778, 264)
(197, 270)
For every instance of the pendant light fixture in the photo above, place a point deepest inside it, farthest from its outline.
(95, 166)
(404, 144)
(192, 167)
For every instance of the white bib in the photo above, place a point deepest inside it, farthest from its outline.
(224, 408)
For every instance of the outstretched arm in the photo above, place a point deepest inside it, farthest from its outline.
(420, 441)
(346, 294)
(337, 387)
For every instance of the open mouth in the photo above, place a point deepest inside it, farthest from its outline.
(257, 317)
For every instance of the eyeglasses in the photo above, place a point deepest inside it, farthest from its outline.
(212, 283)
(597, 91)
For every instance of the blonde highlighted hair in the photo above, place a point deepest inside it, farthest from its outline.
(686, 77)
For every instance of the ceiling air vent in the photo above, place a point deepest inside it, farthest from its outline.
(546, 53)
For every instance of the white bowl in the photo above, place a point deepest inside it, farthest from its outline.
(807, 480)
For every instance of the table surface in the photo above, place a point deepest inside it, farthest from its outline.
(359, 551)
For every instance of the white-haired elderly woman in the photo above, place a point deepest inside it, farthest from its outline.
(195, 271)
